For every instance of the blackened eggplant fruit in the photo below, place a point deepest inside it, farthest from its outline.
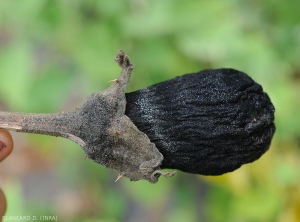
(207, 123)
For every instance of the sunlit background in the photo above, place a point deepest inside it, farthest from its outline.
(53, 54)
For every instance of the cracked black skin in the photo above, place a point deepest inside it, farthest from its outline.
(207, 123)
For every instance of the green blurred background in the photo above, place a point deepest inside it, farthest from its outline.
(53, 54)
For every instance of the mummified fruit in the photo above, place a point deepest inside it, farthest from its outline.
(208, 123)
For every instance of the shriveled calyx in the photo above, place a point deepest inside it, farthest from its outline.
(101, 128)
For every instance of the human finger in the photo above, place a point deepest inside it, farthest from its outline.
(6, 144)
(2, 204)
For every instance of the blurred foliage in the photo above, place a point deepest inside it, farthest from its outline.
(53, 54)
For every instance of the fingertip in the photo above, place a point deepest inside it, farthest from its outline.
(2, 204)
(6, 144)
